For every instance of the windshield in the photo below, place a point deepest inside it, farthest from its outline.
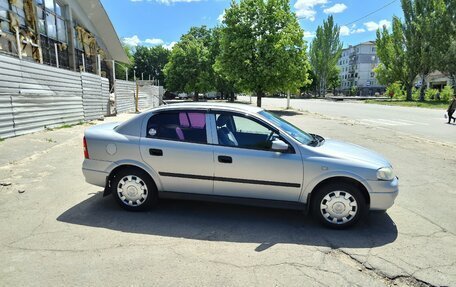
(290, 129)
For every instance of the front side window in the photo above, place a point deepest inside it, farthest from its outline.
(243, 132)
(287, 127)
(186, 126)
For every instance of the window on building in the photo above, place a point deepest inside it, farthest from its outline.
(372, 74)
(52, 27)
(374, 49)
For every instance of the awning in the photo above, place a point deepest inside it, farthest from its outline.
(105, 30)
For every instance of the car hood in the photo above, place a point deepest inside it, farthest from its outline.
(339, 149)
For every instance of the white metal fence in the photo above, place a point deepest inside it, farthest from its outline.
(125, 96)
(35, 96)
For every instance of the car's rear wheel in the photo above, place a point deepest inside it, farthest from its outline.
(339, 205)
(134, 189)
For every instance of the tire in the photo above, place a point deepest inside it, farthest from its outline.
(134, 189)
(339, 205)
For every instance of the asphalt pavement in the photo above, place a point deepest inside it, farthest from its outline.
(57, 230)
(420, 122)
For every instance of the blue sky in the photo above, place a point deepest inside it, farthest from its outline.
(162, 22)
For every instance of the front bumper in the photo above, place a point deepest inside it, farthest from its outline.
(383, 194)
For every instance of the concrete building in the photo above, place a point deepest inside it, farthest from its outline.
(356, 66)
(70, 34)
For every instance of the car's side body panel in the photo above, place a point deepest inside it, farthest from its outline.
(194, 168)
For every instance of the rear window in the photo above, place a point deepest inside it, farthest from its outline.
(185, 126)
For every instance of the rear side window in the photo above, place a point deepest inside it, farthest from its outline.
(186, 126)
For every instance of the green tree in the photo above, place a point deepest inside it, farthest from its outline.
(151, 61)
(222, 84)
(448, 62)
(393, 50)
(189, 68)
(424, 26)
(262, 47)
(121, 67)
(325, 51)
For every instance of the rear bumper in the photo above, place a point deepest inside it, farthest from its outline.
(383, 194)
(95, 171)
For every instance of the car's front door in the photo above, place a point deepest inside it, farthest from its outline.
(176, 146)
(245, 164)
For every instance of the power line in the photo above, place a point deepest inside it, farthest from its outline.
(365, 16)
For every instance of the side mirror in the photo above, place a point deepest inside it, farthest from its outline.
(279, 145)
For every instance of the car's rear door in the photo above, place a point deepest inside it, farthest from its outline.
(176, 146)
(245, 166)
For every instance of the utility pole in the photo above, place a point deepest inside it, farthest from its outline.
(288, 100)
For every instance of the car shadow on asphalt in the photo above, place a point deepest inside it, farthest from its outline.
(230, 223)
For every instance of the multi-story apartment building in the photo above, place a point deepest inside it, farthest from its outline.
(356, 66)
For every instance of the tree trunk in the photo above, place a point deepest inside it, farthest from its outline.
(423, 88)
(195, 97)
(259, 96)
(221, 95)
(232, 97)
(408, 89)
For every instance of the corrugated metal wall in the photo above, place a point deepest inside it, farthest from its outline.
(10, 79)
(125, 96)
(48, 97)
(92, 97)
(34, 96)
(105, 92)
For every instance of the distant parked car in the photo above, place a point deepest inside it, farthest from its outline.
(169, 95)
(237, 154)
(183, 96)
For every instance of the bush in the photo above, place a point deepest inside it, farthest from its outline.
(430, 94)
(446, 94)
(415, 94)
(396, 91)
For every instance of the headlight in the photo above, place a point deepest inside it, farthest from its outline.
(385, 173)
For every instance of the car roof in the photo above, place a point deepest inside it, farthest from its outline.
(207, 105)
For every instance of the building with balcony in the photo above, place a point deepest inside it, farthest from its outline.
(75, 35)
(356, 66)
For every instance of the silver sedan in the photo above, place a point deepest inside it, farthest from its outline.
(237, 154)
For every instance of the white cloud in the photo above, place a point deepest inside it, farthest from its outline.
(154, 41)
(373, 26)
(305, 8)
(221, 17)
(309, 34)
(132, 41)
(135, 41)
(336, 8)
(169, 46)
(344, 31)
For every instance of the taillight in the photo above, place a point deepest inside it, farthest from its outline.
(86, 152)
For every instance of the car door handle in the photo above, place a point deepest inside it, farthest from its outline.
(155, 152)
(225, 159)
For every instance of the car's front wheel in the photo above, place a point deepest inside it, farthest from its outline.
(134, 190)
(339, 205)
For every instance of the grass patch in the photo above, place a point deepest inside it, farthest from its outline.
(50, 140)
(426, 104)
(65, 126)
(1, 140)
